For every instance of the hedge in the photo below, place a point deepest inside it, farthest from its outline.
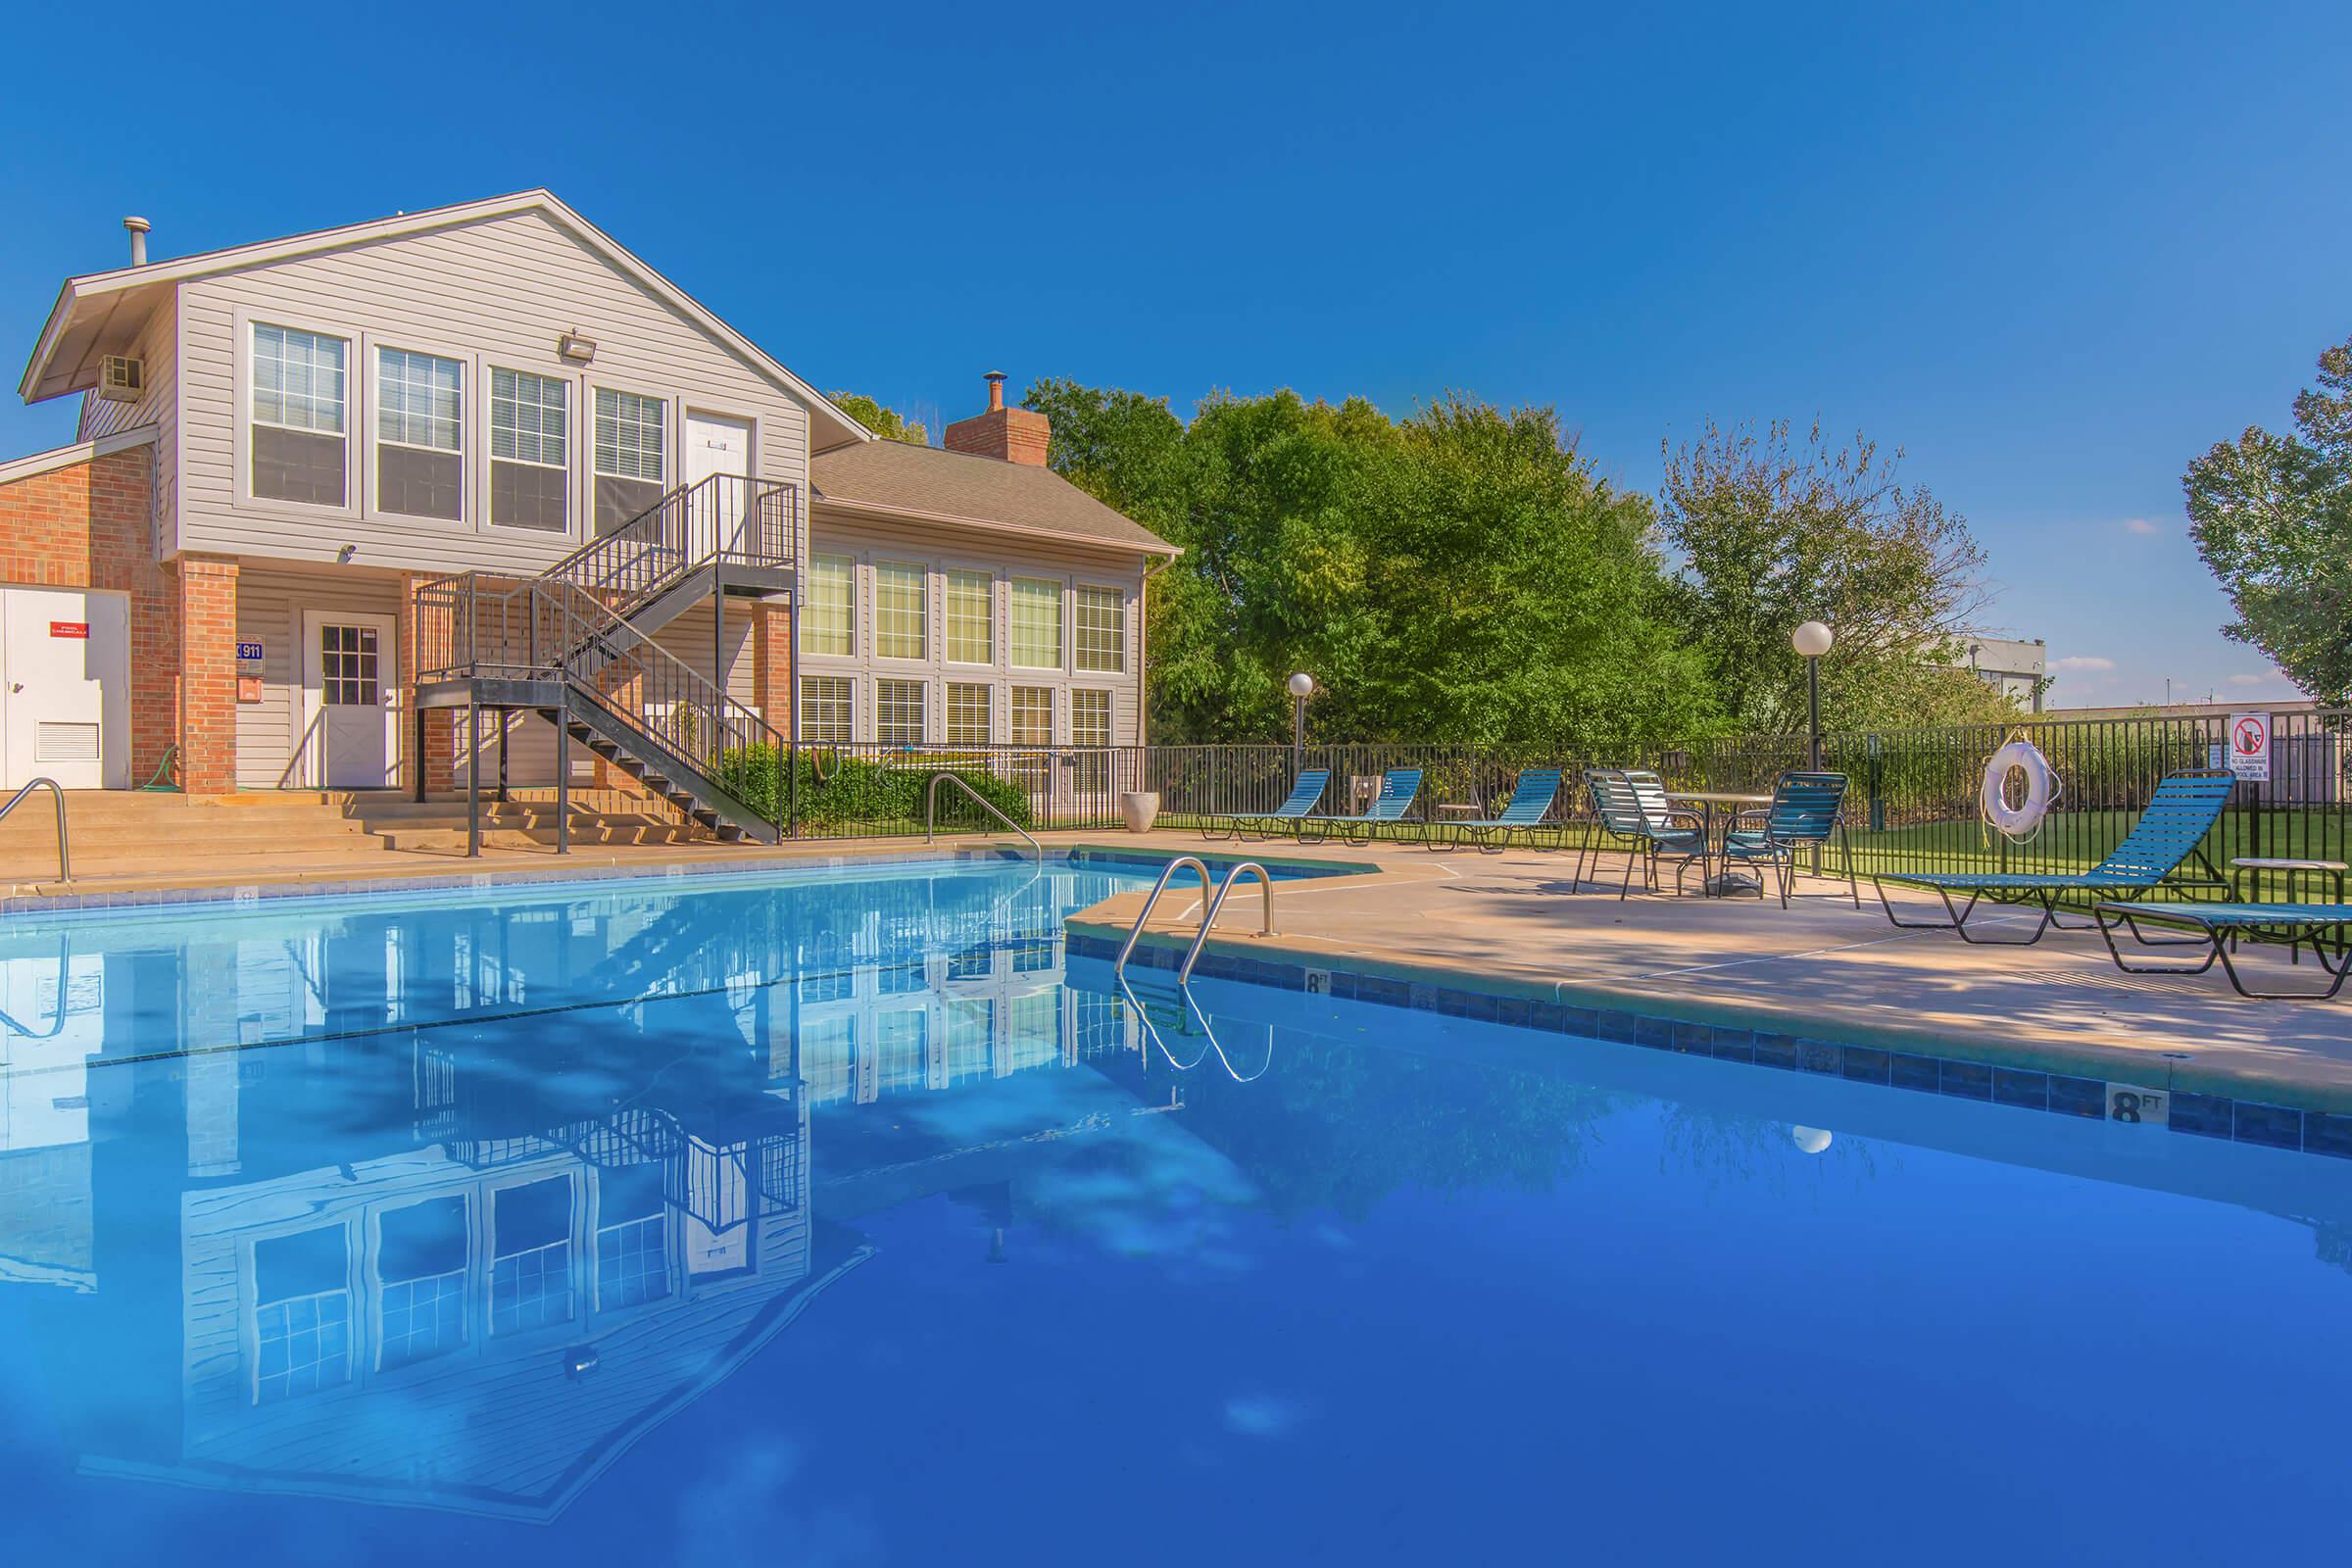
(853, 793)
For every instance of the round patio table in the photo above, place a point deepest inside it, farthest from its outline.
(1728, 803)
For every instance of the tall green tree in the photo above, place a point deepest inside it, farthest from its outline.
(1770, 531)
(2272, 515)
(885, 422)
(1461, 575)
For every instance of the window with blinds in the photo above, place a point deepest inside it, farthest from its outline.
(1036, 623)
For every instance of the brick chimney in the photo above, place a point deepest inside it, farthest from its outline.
(1016, 435)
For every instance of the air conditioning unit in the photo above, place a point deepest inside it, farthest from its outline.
(120, 378)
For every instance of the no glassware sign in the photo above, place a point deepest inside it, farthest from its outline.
(2250, 747)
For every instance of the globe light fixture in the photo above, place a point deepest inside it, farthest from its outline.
(1812, 639)
(1302, 686)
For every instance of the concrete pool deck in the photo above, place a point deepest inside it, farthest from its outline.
(1513, 924)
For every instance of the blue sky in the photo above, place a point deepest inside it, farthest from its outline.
(2051, 253)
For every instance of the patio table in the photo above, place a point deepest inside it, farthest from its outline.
(1729, 804)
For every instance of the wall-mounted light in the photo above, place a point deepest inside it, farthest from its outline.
(344, 554)
(573, 347)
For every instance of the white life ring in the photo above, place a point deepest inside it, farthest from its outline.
(2041, 788)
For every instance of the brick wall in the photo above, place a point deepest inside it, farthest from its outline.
(771, 666)
(1016, 435)
(207, 675)
(88, 525)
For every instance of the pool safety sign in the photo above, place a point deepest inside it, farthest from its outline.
(2250, 747)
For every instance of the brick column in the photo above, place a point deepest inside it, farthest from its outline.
(440, 724)
(207, 675)
(771, 666)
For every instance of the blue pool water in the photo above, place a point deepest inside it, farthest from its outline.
(840, 1220)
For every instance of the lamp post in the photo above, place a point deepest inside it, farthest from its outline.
(1302, 686)
(1812, 640)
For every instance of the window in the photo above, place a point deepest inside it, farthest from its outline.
(825, 716)
(1036, 623)
(967, 714)
(302, 1313)
(830, 626)
(899, 713)
(419, 417)
(1033, 715)
(629, 455)
(349, 667)
(530, 479)
(530, 1278)
(1102, 640)
(1089, 726)
(298, 447)
(632, 1238)
(971, 618)
(899, 631)
(420, 1261)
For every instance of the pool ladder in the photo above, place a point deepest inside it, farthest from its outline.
(1216, 894)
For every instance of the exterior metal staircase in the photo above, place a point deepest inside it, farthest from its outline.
(576, 645)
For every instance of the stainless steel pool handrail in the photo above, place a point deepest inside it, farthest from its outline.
(65, 864)
(931, 810)
(1135, 932)
(1209, 916)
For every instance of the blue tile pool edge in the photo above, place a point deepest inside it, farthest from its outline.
(897, 855)
(2193, 1113)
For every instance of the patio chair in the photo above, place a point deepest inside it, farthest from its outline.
(2170, 831)
(1398, 787)
(1632, 805)
(1531, 802)
(1302, 799)
(2216, 927)
(1806, 809)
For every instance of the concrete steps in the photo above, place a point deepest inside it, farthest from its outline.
(242, 837)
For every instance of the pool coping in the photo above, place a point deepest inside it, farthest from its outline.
(808, 856)
(2079, 1081)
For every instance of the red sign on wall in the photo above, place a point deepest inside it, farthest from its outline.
(70, 628)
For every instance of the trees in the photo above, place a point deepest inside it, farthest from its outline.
(1457, 577)
(1771, 532)
(887, 423)
(2272, 516)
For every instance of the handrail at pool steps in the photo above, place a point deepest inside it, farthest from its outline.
(931, 810)
(65, 864)
(1216, 900)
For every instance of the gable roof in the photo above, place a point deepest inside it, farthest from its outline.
(964, 490)
(65, 358)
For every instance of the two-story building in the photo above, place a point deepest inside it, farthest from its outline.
(305, 466)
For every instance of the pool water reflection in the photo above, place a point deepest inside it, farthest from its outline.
(831, 1220)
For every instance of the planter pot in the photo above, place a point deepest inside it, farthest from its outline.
(1141, 809)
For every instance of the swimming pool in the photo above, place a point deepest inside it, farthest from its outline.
(838, 1219)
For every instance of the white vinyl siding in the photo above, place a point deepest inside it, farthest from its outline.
(899, 713)
(899, 619)
(970, 618)
(967, 714)
(1100, 635)
(1036, 623)
(826, 716)
(830, 625)
(496, 292)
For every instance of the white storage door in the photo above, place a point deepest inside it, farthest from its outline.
(65, 688)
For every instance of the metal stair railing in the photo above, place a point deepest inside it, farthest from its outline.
(931, 810)
(1214, 895)
(722, 517)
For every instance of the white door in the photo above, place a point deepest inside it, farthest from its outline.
(348, 677)
(65, 688)
(716, 444)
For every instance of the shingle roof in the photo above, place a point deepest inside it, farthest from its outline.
(957, 487)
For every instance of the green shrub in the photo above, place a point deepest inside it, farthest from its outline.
(862, 794)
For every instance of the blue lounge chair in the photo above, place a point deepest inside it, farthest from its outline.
(1303, 798)
(2180, 814)
(1531, 802)
(1631, 805)
(1398, 787)
(2216, 927)
(1806, 809)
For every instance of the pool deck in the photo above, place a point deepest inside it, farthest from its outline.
(1513, 925)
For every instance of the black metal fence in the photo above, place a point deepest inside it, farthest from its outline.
(1914, 803)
